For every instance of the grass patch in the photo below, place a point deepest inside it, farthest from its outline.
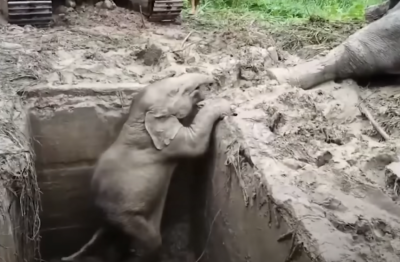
(294, 24)
(287, 10)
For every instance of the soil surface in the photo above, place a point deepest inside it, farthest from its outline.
(326, 164)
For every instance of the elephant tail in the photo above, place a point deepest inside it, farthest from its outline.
(95, 236)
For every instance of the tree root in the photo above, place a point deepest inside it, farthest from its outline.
(285, 236)
(374, 123)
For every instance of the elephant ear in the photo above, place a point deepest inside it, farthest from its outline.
(162, 129)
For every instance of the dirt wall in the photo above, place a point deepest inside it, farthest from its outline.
(231, 227)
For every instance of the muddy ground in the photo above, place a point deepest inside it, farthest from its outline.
(325, 148)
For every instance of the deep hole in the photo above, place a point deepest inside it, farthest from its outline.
(69, 218)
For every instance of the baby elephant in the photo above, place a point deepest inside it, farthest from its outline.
(131, 179)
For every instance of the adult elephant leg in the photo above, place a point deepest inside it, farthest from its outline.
(375, 12)
(314, 72)
(372, 50)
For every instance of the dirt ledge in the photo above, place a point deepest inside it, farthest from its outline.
(331, 193)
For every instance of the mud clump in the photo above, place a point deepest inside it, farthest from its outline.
(393, 178)
(324, 158)
(151, 55)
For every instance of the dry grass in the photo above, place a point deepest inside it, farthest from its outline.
(19, 176)
(17, 170)
(316, 32)
(288, 9)
(306, 38)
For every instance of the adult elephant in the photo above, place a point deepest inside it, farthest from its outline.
(375, 12)
(370, 51)
(131, 179)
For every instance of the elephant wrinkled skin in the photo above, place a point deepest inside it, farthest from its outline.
(131, 179)
(370, 51)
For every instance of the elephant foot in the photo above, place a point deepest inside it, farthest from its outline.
(314, 72)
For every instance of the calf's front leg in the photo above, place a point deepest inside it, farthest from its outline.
(193, 141)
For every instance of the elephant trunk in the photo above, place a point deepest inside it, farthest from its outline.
(371, 50)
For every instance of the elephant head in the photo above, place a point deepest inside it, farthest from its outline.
(165, 103)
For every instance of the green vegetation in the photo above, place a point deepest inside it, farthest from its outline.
(287, 9)
(293, 24)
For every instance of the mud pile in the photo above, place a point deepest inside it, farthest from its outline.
(323, 165)
(326, 176)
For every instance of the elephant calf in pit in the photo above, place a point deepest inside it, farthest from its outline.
(131, 179)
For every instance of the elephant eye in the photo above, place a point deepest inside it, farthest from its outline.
(197, 88)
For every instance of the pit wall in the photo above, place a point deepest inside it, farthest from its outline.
(72, 126)
(234, 224)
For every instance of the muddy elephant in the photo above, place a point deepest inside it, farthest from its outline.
(131, 179)
(370, 51)
(375, 12)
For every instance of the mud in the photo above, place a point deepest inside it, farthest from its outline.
(309, 166)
